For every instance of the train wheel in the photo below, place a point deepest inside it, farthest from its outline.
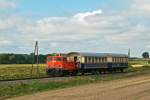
(61, 73)
(100, 72)
(122, 70)
(82, 73)
(94, 72)
(111, 71)
(74, 73)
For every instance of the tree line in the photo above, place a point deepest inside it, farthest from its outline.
(10, 58)
(20, 58)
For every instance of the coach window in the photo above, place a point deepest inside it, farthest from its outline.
(116, 59)
(96, 59)
(100, 60)
(113, 59)
(85, 59)
(105, 59)
(119, 59)
(58, 59)
(93, 59)
(89, 59)
(126, 59)
(122, 59)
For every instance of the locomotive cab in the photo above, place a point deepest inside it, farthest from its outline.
(55, 61)
(59, 65)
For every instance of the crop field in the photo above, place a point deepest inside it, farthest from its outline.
(143, 62)
(17, 71)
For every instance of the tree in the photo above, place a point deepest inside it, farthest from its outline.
(20, 58)
(145, 55)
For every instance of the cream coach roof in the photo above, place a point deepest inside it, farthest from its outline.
(87, 54)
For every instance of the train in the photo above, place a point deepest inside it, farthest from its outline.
(74, 63)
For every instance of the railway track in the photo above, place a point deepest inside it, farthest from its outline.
(26, 80)
(56, 78)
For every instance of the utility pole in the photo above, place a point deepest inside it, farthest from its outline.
(35, 58)
(129, 53)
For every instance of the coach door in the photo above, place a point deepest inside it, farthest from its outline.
(75, 59)
(109, 61)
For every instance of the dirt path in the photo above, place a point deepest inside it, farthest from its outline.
(135, 88)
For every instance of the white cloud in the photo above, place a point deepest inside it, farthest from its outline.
(87, 31)
(4, 42)
(135, 33)
(5, 4)
(82, 16)
(140, 8)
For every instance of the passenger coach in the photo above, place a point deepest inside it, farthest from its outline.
(99, 62)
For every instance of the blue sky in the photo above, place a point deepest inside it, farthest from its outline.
(65, 7)
(75, 25)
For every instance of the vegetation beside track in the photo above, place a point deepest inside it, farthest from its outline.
(19, 71)
(20, 88)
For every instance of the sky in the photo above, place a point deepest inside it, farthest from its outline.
(111, 26)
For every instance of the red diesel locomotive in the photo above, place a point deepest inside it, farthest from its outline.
(59, 66)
